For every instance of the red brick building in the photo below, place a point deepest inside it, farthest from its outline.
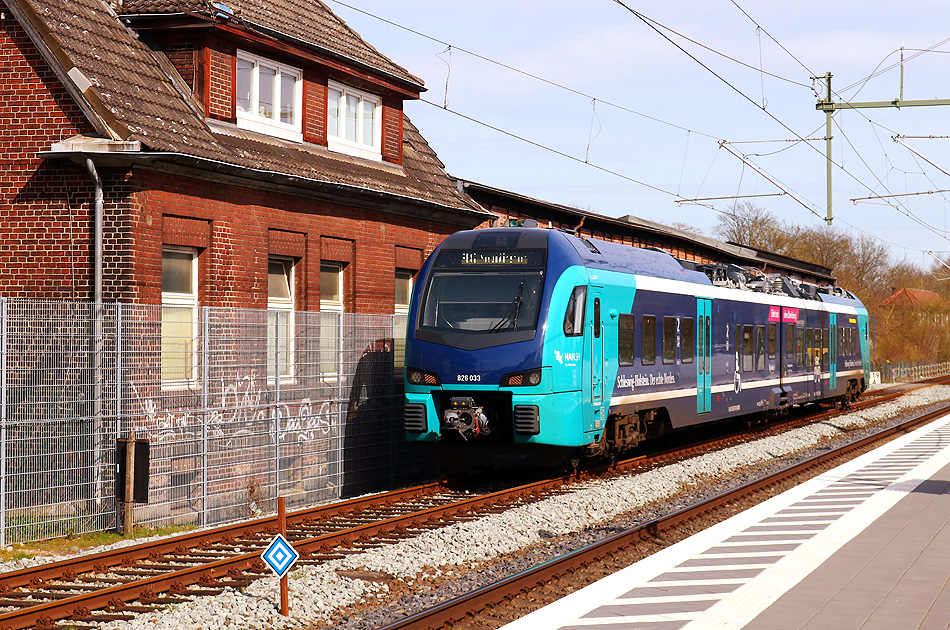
(259, 152)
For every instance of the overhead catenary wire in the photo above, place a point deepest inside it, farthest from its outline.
(550, 149)
(762, 106)
(536, 77)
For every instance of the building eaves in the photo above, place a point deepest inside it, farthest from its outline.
(130, 96)
(305, 22)
(116, 154)
(748, 255)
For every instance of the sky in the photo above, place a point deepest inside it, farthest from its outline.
(587, 104)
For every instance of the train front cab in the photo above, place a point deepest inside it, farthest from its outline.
(485, 391)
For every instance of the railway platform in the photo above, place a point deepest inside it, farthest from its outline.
(866, 545)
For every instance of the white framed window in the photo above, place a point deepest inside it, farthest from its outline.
(331, 318)
(268, 97)
(401, 316)
(280, 317)
(403, 290)
(354, 122)
(179, 316)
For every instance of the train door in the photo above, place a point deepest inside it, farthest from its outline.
(596, 363)
(703, 356)
(789, 350)
(833, 351)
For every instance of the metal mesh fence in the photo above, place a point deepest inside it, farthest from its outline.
(901, 371)
(239, 406)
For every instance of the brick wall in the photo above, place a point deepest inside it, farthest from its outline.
(44, 208)
(221, 59)
(245, 225)
(47, 214)
(315, 108)
(182, 55)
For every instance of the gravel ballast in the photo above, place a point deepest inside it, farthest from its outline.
(464, 555)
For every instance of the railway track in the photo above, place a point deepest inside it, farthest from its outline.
(510, 598)
(121, 583)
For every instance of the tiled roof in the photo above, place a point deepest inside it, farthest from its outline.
(130, 95)
(916, 297)
(310, 21)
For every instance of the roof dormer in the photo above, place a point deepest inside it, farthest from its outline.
(321, 84)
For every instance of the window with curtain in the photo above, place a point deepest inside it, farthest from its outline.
(280, 317)
(354, 121)
(179, 316)
(268, 96)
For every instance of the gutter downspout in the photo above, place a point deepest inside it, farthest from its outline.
(98, 450)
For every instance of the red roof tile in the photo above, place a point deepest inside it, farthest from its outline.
(309, 21)
(916, 297)
(129, 94)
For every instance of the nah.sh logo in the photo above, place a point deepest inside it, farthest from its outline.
(570, 357)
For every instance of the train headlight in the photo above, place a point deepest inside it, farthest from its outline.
(420, 377)
(529, 378)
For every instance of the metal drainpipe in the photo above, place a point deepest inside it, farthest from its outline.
(91, 167)
(98, 451)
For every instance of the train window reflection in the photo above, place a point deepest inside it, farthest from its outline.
(483, 302)
(760, 347)
(669, 340)
(687, 341)
(800, 345)
(825, 346)
(747, 349)
(625, 339)
(574, 316)
(648, 340)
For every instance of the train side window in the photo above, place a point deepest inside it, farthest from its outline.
(809, 347)
(825, 347)
(850, 343)
(574, 317)
(841, 340)
(625, 339)
(597, 317)
(687, 340)
(669, 340)
(708, 348)
(800, 345)
(760, 347)
(648, 340)
(790, 340)
(747, 359)
(773, 339)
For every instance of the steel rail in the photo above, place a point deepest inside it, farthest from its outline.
(176, 581)
(208, 572)
(102, 561)
(453, 611)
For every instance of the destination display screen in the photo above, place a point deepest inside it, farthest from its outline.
(491, 258)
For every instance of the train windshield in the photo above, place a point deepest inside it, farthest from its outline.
(496, 296)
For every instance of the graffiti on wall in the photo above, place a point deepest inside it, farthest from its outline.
(241, 408)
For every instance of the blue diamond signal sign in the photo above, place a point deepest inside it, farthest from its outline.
(280, 556)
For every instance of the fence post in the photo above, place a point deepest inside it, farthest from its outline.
(118, 372)
(340, 414)
(3, 422)
(276, 403)
(205, 354)
(118, 387)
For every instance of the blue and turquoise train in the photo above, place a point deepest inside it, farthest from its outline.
(536, 347)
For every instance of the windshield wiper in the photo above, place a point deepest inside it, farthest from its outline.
(516, 305)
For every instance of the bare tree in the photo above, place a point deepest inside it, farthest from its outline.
(687, 227)
(753, 226)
